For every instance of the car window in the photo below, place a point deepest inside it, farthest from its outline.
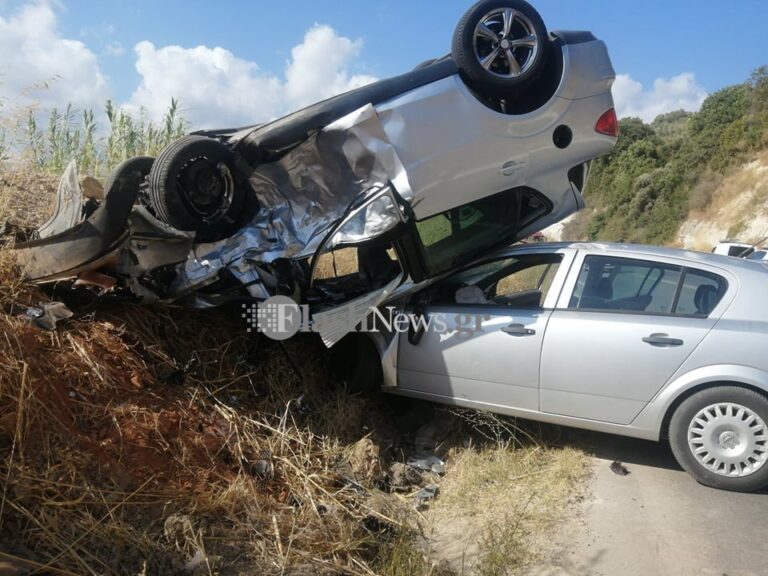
(622, 284)
(759, 255)
(520, 282)
(454, 237)
(700, 293)
(537, 277)
(476, 274)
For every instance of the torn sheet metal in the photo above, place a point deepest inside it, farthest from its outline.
(303, 194)
(88, 245)
(427, 463)
(69, 204)
(424, 497)
(334, 324)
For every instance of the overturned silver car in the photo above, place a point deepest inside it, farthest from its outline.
(410, 177)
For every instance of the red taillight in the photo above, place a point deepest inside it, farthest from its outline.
(608, 124)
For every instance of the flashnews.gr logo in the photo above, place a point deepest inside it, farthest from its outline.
(280, 318)
(277, 317)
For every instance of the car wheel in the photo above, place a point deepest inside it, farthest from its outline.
(719, 436)
(500, 45)
(194, 187)
(356, 365)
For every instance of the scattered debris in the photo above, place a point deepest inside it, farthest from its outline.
(426, 495)
(47, 315)
(619, 468)
(427, 462)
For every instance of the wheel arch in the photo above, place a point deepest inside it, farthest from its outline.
(746, 379)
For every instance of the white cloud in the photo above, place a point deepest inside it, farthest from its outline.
(668, 94)
(318, 67)
(114, 48)
(39, 67)
(216, 88)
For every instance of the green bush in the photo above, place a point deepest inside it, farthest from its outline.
(658, 172)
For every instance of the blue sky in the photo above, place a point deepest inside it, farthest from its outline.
(713, 44)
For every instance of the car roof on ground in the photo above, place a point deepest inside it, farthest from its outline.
(648, 250)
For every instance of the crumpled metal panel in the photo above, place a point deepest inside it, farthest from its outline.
(303, 194)
(69, 204)
(334, 324)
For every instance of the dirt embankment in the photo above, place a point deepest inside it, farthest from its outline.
(737, 208)
(137, 441)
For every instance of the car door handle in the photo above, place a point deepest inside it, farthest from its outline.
(518, 330)
(662, 340)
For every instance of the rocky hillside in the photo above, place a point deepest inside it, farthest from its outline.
(738, 209)
(686, 178)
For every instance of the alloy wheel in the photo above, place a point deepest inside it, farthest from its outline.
(505, 42)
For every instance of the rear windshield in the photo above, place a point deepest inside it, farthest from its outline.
(455, 237)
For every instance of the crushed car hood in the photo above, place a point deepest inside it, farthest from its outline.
(303, 194)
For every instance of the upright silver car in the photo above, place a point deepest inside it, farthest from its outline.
(633, 340)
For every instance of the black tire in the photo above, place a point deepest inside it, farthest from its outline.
(678, 436)
(355, 364)
(497, 81)
(178, 194)
(129, 174)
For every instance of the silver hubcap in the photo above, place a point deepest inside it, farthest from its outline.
(505, 43)
(728, 439)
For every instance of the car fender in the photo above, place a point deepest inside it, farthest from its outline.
(652, 416)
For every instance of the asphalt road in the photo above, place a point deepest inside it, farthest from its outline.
(657, 520)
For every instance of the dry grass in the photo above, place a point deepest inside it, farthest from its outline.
(502, 498)
(26, 198)
(337, 263)
(133, 439)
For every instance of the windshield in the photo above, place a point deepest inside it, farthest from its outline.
(455, 237)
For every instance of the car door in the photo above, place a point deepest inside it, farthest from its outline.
(487, 327)
(622, 327)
